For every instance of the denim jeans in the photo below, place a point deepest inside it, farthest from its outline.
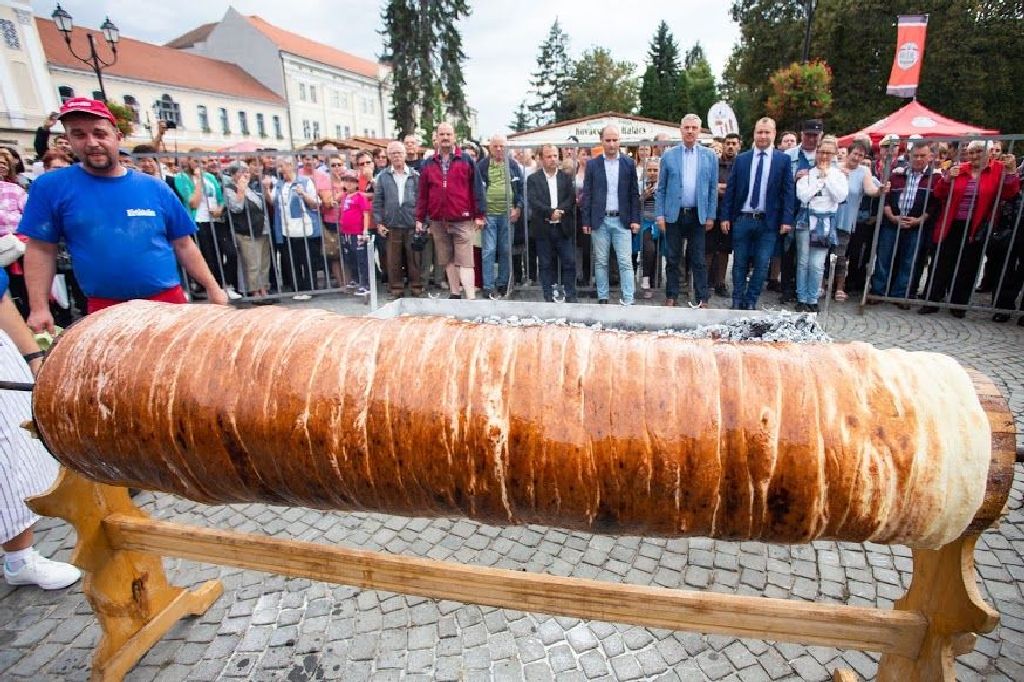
(688, 227)
(611, 233)
(752, 240)
(810, 265)
(495, 239)
(354, 253)
(905, 244)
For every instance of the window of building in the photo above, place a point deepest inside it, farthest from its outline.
(204, 118)
(96, 94)
(307, 130)
(316, 130)
(65, 92)
(10, 32)
(302, 91)
(243, 122)
(337, 131)
(312, 94)
(366, 132)
(261, 128)
(276, 120)
(335, 99)
(225, 123)
(167, 109)
(133, 104)
(348, 131)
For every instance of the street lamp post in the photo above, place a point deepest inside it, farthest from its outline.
(110, 33)
(809, 7)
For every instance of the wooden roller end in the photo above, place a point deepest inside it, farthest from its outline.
(1004, 452)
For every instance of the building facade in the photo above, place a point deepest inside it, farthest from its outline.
(26, 93)
(213, 104)
(329, 93)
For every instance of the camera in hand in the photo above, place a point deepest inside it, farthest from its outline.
(419, 241)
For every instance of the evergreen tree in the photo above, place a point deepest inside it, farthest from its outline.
(551, 79)
(660, 96)
(521, 120)
(425, 48)
(702, 92)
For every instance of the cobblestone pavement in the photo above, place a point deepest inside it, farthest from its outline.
(268, 627)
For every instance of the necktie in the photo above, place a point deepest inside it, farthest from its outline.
(755, 194)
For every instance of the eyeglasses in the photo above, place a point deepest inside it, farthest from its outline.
(366, 163)
(337, 165)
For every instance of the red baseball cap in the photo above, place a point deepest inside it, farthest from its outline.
(84, 105)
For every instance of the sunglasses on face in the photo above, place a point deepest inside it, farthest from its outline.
(365, 163)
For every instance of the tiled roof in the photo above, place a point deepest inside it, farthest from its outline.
(156, 64)
(312, 50)
(197, 35)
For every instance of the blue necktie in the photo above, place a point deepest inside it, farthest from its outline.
(755, 195)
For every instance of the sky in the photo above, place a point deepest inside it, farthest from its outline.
(500, 38)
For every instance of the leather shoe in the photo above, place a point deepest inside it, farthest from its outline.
(1001, 317)
(928, 310)
(670, 302)
(903, 306)
(602, 301)
(960, 314)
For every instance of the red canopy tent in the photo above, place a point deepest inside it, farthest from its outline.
(916, 119)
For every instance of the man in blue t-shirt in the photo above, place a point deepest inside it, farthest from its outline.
(126, 231)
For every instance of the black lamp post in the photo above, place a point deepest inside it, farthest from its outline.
(110, 33)
(809, 7)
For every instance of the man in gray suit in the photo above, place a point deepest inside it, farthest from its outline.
(685, 206)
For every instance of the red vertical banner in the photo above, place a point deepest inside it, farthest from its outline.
(906, 66)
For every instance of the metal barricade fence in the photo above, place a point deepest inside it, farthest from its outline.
(269, 222)
(952, 214)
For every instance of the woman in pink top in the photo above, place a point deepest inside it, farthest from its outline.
(355, 227)
(12, 205)
(331, 196)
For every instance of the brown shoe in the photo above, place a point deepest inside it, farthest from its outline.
(670, 302)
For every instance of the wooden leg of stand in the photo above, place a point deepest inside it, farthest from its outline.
(944, 591)
(844, 675)
(128, 590)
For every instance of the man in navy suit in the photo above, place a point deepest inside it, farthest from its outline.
(610, 211)
(685, 206)
(759, 202)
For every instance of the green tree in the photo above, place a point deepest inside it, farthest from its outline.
(660, 95)
(521, 119)
(552, 77)
(425, 49)
(125, 117)
(702, 91)
(602, 84)
(799, 91)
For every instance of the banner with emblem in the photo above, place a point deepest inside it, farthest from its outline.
(906, 67)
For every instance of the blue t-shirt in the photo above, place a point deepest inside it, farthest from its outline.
(118, 230)
(5, 281)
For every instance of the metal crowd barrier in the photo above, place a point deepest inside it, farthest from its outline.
(942, 268)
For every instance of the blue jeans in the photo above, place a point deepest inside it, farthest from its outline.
(752, 240)
(495, 239)
(905, 244)
(611, 233)
(551, 244)
(354, 254)
(810, 265)
(690, 228)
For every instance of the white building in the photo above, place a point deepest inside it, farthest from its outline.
(329, 93)
(214, 104)
(26, 95)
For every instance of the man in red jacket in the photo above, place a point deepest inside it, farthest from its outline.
(451, 196)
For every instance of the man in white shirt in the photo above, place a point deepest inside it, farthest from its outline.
(551, 201)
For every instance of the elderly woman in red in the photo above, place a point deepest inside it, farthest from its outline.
(970, 192)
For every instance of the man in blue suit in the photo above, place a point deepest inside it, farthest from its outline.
(759, 202)
(611, 213)
(685, 206)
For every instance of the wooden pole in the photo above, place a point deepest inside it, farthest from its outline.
(753, 617)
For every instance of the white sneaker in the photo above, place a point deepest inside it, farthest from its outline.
(232, 294)
(645, 283)
(301, 297)
(362, 291)
(38, 570)
(623, 301)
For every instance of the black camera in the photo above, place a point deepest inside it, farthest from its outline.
(419, 241)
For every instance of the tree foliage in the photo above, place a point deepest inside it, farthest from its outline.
(601, 84)
(973, 57)
(425, 47)
(550, 81)
(799, 91)
(521, 119)
(660, 94)
(125, 117)
(702, 91)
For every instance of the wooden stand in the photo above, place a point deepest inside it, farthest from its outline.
(128, 590)
(119, 548)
